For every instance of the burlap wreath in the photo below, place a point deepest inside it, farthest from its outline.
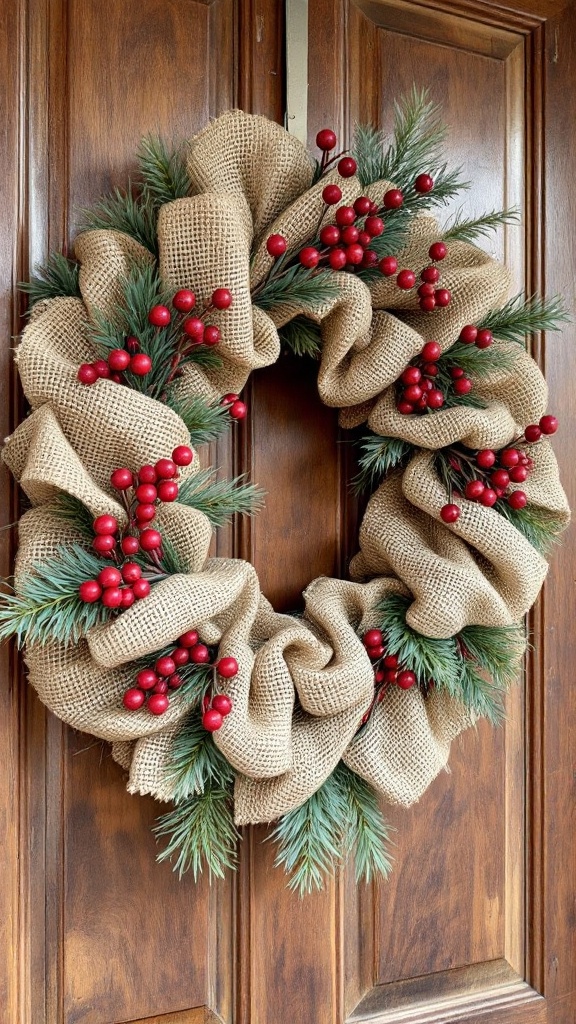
(251, 179)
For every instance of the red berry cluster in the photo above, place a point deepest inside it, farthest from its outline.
(418, 389)
(479, 336)
(429, 294)
(326, 141)
(115, 588)
(236, 407)
(195, 332)
(487, 477)
(215, 708)
(387, 669)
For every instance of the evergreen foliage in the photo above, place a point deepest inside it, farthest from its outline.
(56, 278)
(539, 526)
(163, 171)
(202, 834)
(124, 211)
(521, 316)
(196, 761)
(219, 500)
(298, 286)
(378, 456)
(302, 336)
(462, 229)
(206, 421)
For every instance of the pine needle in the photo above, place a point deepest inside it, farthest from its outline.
(378, 456)
(461, 229)
(201, 832)
(163, 171)
(541, 528)
(298, 286)
(196, 761)
(57, 277)
(476, 362)
(71, 510)
(521, 316)
(366, 830)
(48, 606)
(368, 151)
(205, 421)
(302, 336)
(219, 500)
(122, 211)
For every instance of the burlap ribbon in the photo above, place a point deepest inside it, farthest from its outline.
(303, 685)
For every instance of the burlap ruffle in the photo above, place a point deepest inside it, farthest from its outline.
(303, 685)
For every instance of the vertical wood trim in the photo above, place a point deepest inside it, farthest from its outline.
(297, 68)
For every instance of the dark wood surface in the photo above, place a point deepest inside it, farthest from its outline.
(477, 922)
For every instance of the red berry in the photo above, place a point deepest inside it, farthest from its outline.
(165, 666)
(462, 386)
(548, 424)
(104, 543)
(147, 475)
(105, 524)
(331, 194)
(374, 226)
(350, 234)
(430, 369)
(189, 639)
(128, 597)
(375, 653)
(474, 489)
(180, 657)
(175, 681)
(238, 410)
(211, 335)
(118, 359)
(450, 513)
(430, 275)
(412, 393)
(484, 338)
(194, 328)
(149, 541)
(337, 259)
(182, 455)
(309, 256)
(435, 399)
(116, 378)
(437, 250)
(362, 205)
(500, 478)
(393, 199)
(427, 303)
(109, 577)
(431, 351)
(184, 300)
(112, 597)
(130, 545)
(347, 167)
(141, 588)
(426, 291)
(158, 703)
(227, 667)
(406, 680)
(222, 298)
(405, 408)
(212, 720)
(276, 245)
(159, 316)
(424, 183)
(146, 493)
(456, 372)
(140, 364)
(102, 368)
(90, 591)
(532, 433)
(345, 215)
(147, 679)
(121, 479)
(326, 139)
(518, 474)
(370, 258)
(167, 490)
(468, 334)
(354, 254)
(443, 297)
(406, 279)
(391, 661)
(161, 686)
(199, 654)
(131, 572)
(411, 375)
(388, 265)
(87, 374)
(133, 699)
(132, 343)
(488, 497)
(222, 703)
(373, 638)
(330, 234)
(517, 499)
(509, 457)
(486, 458)
(165, 469)
(422, 402)
(145, 513)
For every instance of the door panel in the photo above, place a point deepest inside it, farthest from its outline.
(476, 922)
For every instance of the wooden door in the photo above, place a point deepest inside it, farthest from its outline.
(477, 922)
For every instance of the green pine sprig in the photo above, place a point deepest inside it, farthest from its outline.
(56, 278)
(540, 527)
(302, 336)
(378, 457)
(72, 511)
(522, 316)
(195, 760)
(48, 605)
(219, 500)
(205, 421)
(463, 229)
(298, 286)
(201, 832)
(476, 362)
(133, 214)
(341, 819)
(163, 171)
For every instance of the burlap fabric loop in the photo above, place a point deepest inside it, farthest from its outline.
(303, 684)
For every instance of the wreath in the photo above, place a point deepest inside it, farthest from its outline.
(136, 353)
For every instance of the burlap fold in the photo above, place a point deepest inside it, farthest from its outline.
(303, 684)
